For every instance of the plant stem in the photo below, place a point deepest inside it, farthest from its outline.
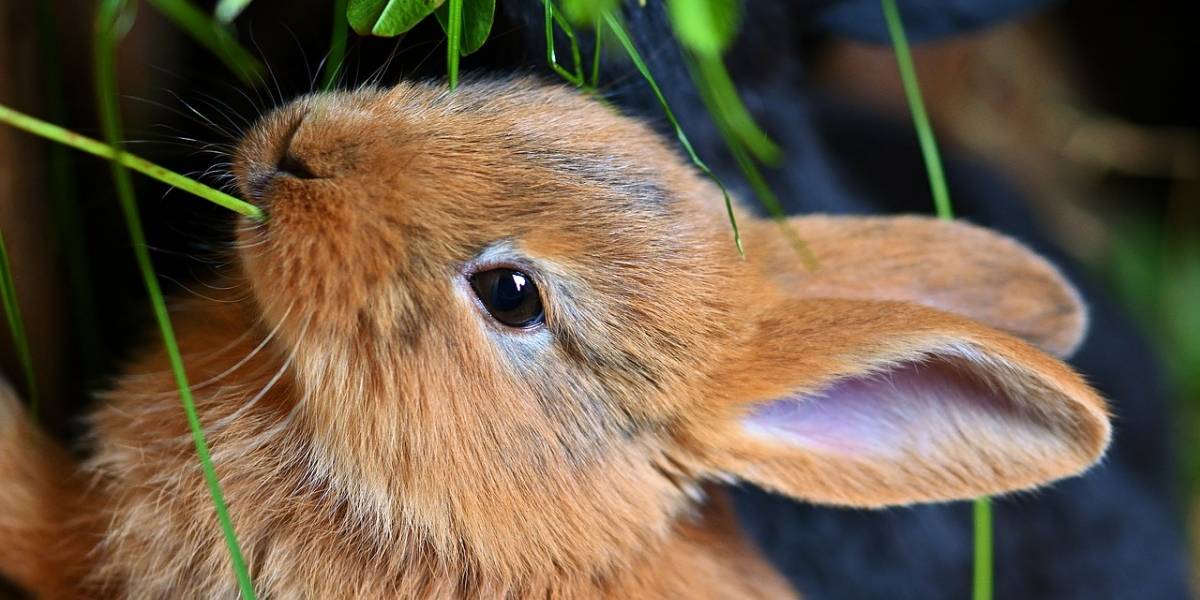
(726, 106)
(16, 326)
(211, 35)
(983, 581)
(63, 136)
(599, 33)
(69, 234)
(627, 43)
(912, 91)
(982, 584)
(337, 46)
(552, 17)
(454, 40)
(105, 59)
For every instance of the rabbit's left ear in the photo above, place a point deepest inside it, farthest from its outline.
(948, 265)
(868, 403)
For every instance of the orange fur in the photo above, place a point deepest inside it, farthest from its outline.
(378, 435)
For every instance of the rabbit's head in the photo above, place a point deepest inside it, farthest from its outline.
(521, 332)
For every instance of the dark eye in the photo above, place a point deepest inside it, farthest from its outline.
(510, 296)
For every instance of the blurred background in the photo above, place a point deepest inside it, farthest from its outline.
(1073, 125)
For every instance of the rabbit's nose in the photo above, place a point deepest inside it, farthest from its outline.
(288, 163)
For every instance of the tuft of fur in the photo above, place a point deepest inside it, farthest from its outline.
(377, 434)
(45, 530)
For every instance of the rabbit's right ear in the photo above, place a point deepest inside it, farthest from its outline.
(948, 265)
(868, 403)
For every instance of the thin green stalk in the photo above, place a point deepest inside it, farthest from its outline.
(727, 106)
(552, 17)
(454, 40)
(213, 36)
(766, 197)
(12, 310)
(105, 52)
(912, 90)
(982, 584)
(762, 190)
(983, 581)
(69, 237)
(337, 45)
(599, 33)
(63, 136)
(627, 43)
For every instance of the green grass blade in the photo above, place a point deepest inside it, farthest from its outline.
(16, 326)
(762, 190)
(983, 582)
(912, 91)
(105, 71)
(552, 17)
(454, 40)
(213, 36)
(477, 21)
(68, 232)
(337, 46)
(599, 33)
(63, 136)
(626, 42)
(727, 106)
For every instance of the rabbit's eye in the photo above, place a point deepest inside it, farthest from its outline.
(510, 296)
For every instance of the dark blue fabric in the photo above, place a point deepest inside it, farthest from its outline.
(924, 20)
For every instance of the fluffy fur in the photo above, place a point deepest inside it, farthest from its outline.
(379, 435)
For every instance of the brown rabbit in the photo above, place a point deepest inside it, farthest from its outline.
(496, 343)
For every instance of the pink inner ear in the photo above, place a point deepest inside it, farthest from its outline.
(909, 408)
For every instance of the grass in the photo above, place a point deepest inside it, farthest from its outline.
(618, 31)
(454, 40)
(58, 134)
(107, 35)
(337, 46)
(212, 36)
(16, 326)
(68, 231)
(982, 584)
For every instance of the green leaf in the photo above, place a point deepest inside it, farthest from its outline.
(228, 10)
(476, 26)
(388, 18)
(706, 27)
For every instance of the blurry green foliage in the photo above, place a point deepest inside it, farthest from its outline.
(1155, 270)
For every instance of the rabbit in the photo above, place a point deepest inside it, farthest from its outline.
(499, 342)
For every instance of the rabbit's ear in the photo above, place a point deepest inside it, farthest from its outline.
(948, 265)
(868, 403)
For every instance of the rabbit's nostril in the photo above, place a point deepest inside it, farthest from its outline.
(293, 166)
(289, 163)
